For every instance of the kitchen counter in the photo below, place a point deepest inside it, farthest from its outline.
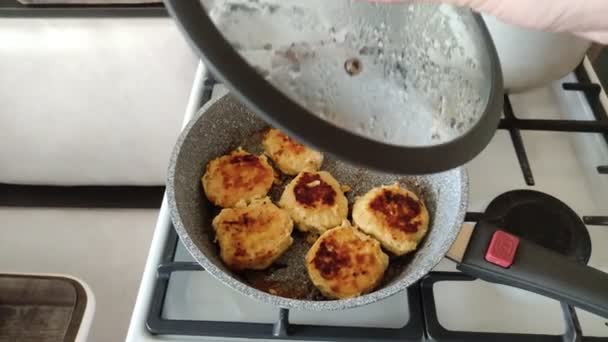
(91, 101)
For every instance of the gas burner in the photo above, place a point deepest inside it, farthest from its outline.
(543, 219)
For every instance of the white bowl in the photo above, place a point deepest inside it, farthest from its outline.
(532, 58)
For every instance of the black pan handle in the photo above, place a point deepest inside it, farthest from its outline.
(534, 268)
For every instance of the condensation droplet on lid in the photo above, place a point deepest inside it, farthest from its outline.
(385, 134)
(452, 122)
(362, 127)
(294, 73)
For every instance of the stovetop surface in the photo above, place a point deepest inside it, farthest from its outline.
(562, 164)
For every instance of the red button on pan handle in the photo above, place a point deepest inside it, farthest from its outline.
(502, 249)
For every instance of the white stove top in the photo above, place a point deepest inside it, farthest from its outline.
(564, 165)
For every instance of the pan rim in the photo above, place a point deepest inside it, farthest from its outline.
(298, 304)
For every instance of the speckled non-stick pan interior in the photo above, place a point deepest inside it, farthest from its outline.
(225, 124)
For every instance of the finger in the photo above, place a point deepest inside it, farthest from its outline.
(596, 36)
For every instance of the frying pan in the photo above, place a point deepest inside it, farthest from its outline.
(225, 124)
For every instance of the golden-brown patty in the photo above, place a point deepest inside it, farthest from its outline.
(290, 156)
(345, 263)
(253, 236)
(394, 216)
(237, 176)
(315, 201)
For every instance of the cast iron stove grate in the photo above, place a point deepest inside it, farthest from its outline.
(424, 323)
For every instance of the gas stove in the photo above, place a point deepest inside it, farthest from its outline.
(552, 140)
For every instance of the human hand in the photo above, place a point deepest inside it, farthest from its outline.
(584, 18)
